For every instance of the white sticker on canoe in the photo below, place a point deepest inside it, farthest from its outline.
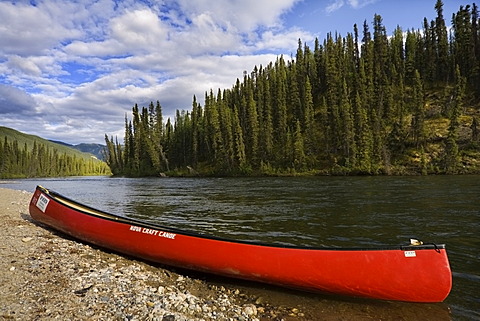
(410, 254)
(42, 202)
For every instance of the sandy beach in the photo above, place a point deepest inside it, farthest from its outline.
(47, 276)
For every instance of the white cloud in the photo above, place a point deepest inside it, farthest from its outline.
(244, 16)
(23, 65)
(15, 101)
(28, 30)
(281, 41)
(140, 29)
(334, 6)
(355, 4)
(104, 48)
(358, 4)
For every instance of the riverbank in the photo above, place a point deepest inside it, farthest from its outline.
(47, 276)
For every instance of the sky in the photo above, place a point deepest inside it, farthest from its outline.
(71, 70)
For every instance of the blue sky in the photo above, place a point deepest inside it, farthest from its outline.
(70, 70)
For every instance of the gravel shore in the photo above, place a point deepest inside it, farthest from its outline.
(48, 276)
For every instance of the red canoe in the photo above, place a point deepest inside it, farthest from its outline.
(405, 273)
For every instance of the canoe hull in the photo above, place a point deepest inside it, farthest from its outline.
(415, 274)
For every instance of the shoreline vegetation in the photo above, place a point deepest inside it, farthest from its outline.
(367, 103)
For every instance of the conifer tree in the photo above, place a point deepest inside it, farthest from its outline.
(318, 84)
(298, 78)
(451, 148)
(310, 131)
(333, 94)
(264, 99)
(227, 134)
(299, 159)
(214, 131)
(195, 131)
(348, 134)
(442, 63)
(411, 57)
(240, 155)
(464, 54)
(418, 108)
(293, 96)
(112, 158)
(310, 66)
(429, 52)
(252, 128)
(397, 54)
(280, 112)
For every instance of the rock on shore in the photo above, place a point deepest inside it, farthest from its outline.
(47, 276)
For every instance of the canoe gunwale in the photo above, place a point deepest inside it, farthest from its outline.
(90, 211)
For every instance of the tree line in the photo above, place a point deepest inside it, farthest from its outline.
(369, 104)
(44, 161)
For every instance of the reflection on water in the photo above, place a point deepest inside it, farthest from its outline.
(313, 211)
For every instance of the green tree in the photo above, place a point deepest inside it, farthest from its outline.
(451, 148)
(464, 54)
(240, 154)
(280, 112)
(299, 159)
(252, 126)
(264, 99)
(418, 108)
(442, 55)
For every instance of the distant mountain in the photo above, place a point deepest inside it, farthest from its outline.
(60, 143)
(29, 140)
(96, 150)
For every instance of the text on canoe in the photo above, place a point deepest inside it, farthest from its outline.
(150, 231)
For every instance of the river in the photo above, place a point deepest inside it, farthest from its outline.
(311, 211)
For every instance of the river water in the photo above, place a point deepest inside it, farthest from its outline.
(311, 211)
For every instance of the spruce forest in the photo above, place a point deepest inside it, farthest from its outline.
(368, 103)
(41, 160)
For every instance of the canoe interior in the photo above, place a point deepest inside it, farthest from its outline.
(126, 220)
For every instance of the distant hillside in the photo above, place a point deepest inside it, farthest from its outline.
(22, 139)
(97, 150)
(26, 156)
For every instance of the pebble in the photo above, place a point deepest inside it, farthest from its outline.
(109, 286)
(250, 309)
